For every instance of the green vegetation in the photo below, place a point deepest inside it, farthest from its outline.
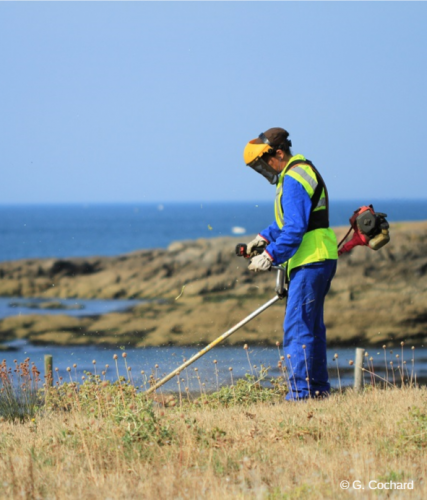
(99, 439)
(20, 397)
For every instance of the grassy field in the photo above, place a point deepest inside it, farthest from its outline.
(98, 439)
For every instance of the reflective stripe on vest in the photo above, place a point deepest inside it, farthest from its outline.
(322, 202)
(305, 176)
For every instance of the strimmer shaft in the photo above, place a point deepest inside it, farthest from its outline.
(213, 344)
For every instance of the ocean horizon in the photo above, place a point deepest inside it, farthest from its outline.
(89, 229)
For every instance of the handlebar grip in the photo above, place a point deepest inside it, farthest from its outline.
(241, 250)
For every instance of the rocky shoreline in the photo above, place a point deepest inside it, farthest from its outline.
(376, 298)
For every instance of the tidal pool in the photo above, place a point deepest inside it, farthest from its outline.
(17, 306)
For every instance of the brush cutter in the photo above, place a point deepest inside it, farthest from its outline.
(370, 229)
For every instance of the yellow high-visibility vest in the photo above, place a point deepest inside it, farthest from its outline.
(319, 242)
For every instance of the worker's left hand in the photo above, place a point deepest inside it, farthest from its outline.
(260, 263)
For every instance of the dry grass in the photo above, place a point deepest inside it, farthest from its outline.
(102, 440)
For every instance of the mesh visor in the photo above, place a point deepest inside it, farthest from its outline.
(263, 168)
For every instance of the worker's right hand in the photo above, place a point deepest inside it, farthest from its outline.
(261, 262)
(255, 246)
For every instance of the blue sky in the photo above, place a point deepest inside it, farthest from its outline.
(135, 101)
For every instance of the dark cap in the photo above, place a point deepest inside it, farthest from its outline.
(277, 136)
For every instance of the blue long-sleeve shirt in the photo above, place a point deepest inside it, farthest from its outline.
(296, 205)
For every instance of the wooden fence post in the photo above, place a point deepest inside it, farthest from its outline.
(358, 369)
(48, 369)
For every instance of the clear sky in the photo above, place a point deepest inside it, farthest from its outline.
(141, 102)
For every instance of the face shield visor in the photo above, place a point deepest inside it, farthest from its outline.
(255, 157)
(263, 168)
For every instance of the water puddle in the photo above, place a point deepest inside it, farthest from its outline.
(17, 306)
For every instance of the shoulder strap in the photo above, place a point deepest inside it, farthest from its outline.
(318, 193)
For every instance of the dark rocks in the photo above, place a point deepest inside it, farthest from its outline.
(70, 268)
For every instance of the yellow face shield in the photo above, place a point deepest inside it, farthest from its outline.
(253, 154)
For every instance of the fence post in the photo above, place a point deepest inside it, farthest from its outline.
(358, 372)
(48, 369)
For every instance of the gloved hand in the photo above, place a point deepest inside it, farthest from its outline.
(258, 242)
(260, 262)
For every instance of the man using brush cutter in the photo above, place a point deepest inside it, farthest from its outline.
(301, 237)
(301, 240)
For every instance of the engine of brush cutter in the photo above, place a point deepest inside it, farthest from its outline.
(370, 229)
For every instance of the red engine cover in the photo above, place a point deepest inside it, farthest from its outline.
(359, 239)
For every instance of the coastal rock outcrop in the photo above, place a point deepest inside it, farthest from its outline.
(376, 297)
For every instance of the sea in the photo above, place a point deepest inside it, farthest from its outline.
(82, 230)
(35, 231)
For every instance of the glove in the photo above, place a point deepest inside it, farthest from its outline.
(259, 242)
(260, 262)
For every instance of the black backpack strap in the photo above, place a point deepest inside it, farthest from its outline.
(322, 221)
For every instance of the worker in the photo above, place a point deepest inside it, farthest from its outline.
(300, 237)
